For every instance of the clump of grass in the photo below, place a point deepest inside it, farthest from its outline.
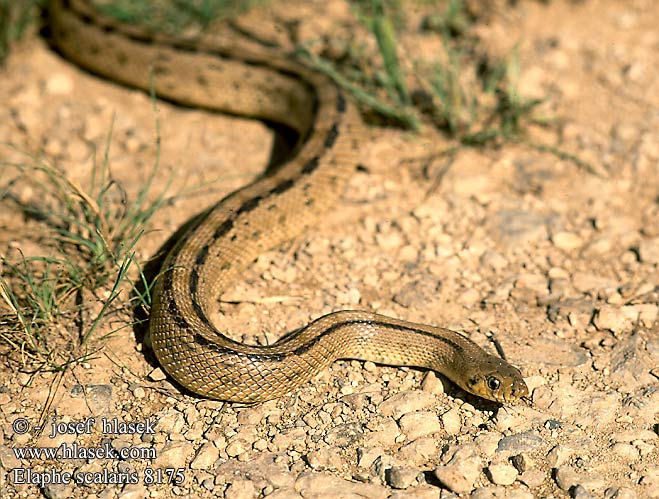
(474, 101)
(15, 18)
(174, 16)
(51, 306)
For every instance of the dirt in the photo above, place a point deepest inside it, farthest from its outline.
(555, 264)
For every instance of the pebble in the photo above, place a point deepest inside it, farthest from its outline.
(133, 491)
(157, 375)
(59, 84)
(240, 489)
(532, 478)
(566, 241)
(402, 477)
(174, 455)
(648, 250)
(513, 227)
(461, 472)
(57, 490)
(205, 457)
(419, 424)
(451, 421)
(619, 493)
(501, 474)
(315, 485)
(407, 401)
(618, 319)
(520, 442)
(328, 458)
(418, 452)
(591, 283)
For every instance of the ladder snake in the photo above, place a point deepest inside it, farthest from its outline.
(278, 206)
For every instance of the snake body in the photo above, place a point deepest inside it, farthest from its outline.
(229, 235)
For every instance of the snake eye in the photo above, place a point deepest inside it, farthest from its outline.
(493, 383)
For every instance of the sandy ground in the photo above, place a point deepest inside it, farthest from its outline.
(556, 264)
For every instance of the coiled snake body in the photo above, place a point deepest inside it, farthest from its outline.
(275, 208)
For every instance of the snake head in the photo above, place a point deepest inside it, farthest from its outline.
(496, 380)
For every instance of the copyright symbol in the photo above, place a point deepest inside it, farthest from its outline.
(20, 426)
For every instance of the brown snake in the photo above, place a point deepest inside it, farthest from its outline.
(275, 208)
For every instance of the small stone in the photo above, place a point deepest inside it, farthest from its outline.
(401, 477)
(59, 84)
(419, 424)
(520, 442)
(418, 452)
(328, 458)
(521, 462)
(566, 477)
(567, 241)
(57, 490)
(532, 478)
(626, 451)
(343, 435)
(157, 375)
(580, 492)
(451, 421)
(558, 455)
(322, 486)
(240, 489)
(611, 318)
(502, 474)
(461, 472)
(404, 402)
(8, 460)
(236, 447)
(174, 455)
(432, 384)
(648, 250)
(133, 491)
(139, 392)
(585, 282)
(619, 493)
(206, 457)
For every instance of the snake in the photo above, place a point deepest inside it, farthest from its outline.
(264, 82)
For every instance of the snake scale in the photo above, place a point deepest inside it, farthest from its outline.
(228, 236)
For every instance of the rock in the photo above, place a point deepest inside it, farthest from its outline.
(461, 472)
(174, 455)
(566, 477)
(418, 452)
(419, 424)
(345, 434)
(57, 490)
(59, 84)
(532, 478)
(592, 283)
(205, 457)
(512, 227)
(157, 375)
(133, 491)
(626, 451)
(501, 474)
(404, 402)
(328, 458)
(579, 492)
(401, 477)
(313, 485)
(520, 442)
(648, 250)
(566, 241)
(240, 489)
(619, 493)
(452, 421)
(237, 446)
